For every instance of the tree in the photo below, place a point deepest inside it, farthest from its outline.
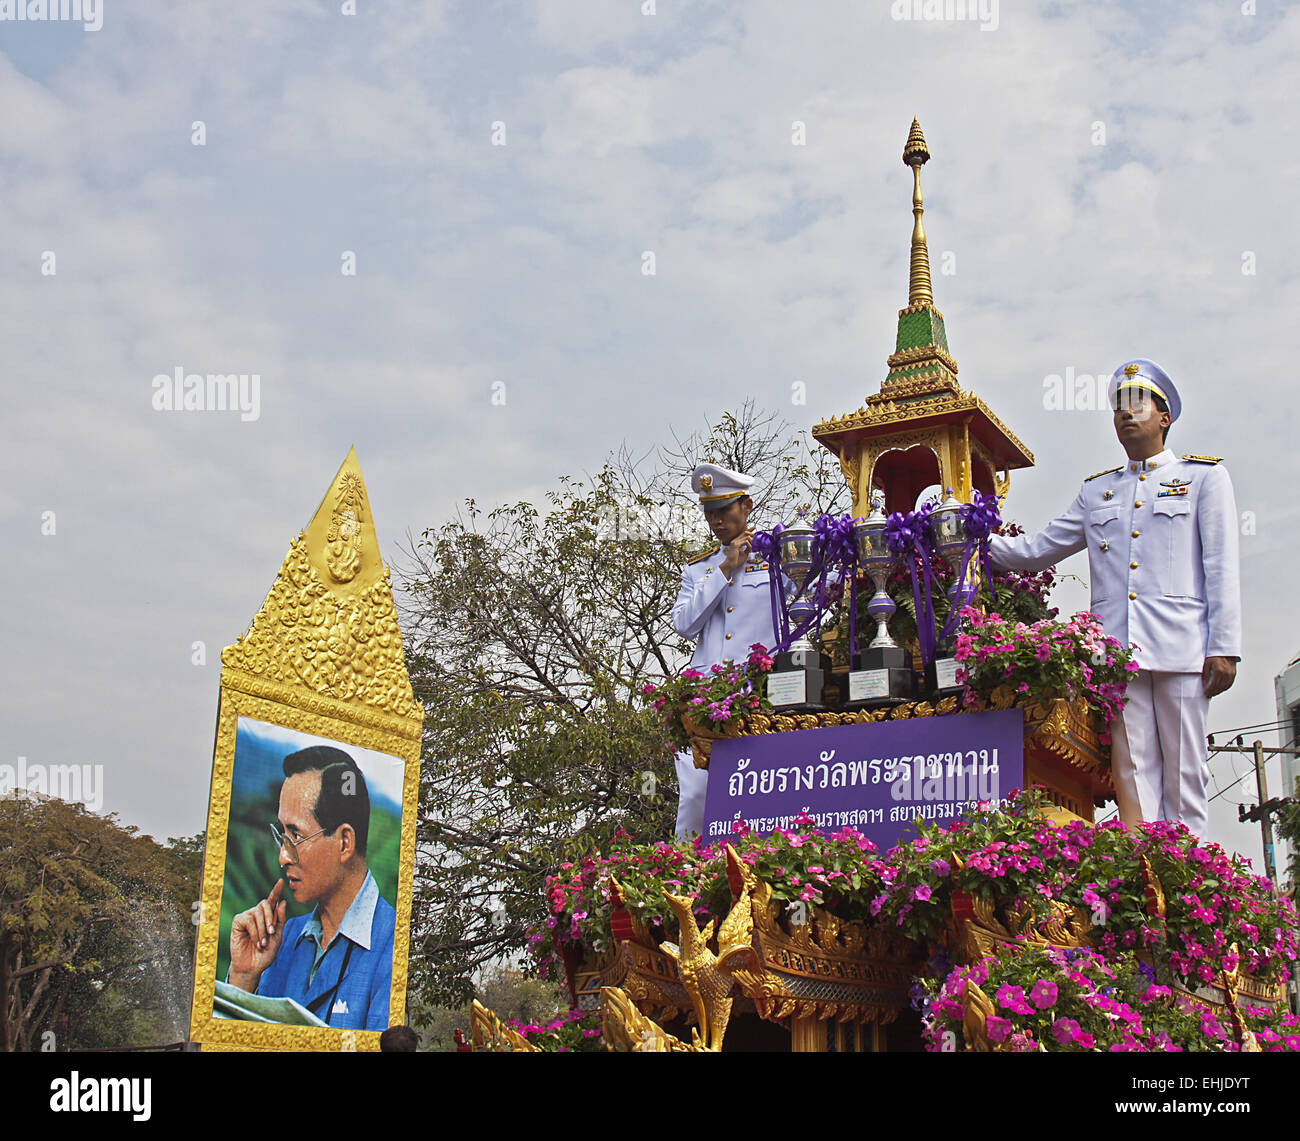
(1288, 829)
(96, 941)
(531, 631)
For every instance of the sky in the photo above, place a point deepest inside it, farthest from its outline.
(186, 187)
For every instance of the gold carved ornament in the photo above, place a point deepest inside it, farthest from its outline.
(490, 1034)
(323, 656)
(706, 976)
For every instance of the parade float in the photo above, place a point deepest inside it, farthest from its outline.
(899, 850)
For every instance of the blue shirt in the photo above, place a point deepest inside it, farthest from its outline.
(355, 998)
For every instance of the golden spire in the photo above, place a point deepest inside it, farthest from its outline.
(915, 154)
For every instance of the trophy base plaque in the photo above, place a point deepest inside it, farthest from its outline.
(883, 677)
(941, 679)
(798, 680)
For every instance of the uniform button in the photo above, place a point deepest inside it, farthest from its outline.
(1142, 477)
(728, 635)
(731, 608)
(1132, 467)
(1131, 596)
(1138, 503)
(1133, 566)
(1135, 534)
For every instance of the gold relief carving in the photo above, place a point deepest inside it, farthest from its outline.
(921, 353)
(1067, 729)
(868, 972)
(343, 550)
(882, 409)
(326, 661)
(851, 468)
(981, 453)
(489, 1033)
(347, 648)
(625, 1029)
(977, 1008)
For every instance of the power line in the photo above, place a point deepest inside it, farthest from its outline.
(1265, 725)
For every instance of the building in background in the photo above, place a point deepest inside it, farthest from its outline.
(1287, 686)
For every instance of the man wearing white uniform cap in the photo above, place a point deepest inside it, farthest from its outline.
(1161, 535)
(724, 604)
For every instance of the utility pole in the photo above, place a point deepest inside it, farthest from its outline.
(1263, 811)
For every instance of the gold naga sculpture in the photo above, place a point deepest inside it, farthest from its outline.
(708, 978)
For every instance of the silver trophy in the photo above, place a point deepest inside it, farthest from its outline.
(950, 542)
(797, 564)
(881, 674)
(799, 677)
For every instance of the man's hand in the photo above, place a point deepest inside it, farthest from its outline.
(1217, 675)
(255, 938)
(737, 552)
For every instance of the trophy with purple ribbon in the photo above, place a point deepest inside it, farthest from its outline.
(801, 672)
(960, 533)
(881, 673)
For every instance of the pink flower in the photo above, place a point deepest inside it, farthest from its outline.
(1043, 994)
(1013, 998)
(998, 1028)
(921, 892)
(1068, 1032)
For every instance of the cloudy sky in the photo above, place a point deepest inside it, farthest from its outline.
(1105, 185)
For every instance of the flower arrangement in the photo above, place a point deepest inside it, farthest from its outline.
(711, 699)
(837, 871)
(1017, 860)
(574, 1032)
(1016, 595)
(1044, 659)
(1016, 857)
(1049, 999)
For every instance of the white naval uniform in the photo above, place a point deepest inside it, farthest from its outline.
(726, 618)
(1161, 536)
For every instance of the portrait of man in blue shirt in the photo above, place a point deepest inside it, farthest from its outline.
(338, 960)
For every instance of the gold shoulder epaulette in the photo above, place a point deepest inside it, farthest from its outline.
(704, 554)
(1204, 459)
(1106, 472)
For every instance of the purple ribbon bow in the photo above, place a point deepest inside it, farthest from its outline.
(912, 536)
(980, 518)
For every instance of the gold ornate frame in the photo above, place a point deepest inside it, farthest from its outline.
(322, 656)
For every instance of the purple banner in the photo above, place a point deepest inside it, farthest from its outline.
(879, 778)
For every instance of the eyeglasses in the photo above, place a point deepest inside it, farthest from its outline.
(284, 840)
